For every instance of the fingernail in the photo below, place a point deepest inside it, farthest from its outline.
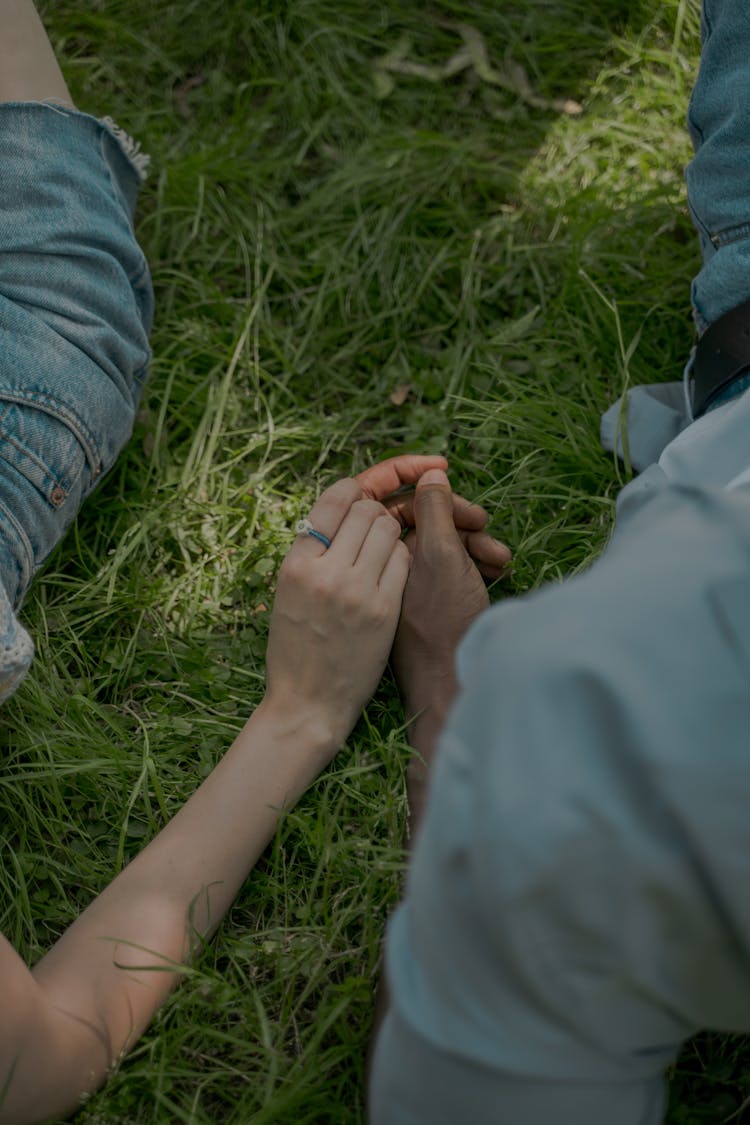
(433, 476)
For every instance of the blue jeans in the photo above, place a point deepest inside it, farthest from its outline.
(76, 309)
(717, 178)
(577, 901)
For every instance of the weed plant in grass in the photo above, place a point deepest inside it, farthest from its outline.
(331, 217)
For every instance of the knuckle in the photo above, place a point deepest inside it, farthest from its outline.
(380, 613)
(387, 611)
(428, 495)
(323, 585)
(369, 509)
(348, 487)
(386, 525)
(402, 552)
(392, 525)
(348, 597)
(441, 554)
(345, 491)
(291, 568)
(301, 574)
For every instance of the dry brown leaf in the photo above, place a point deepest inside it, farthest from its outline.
(181, 91)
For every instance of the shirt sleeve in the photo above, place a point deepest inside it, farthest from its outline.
(575, 905)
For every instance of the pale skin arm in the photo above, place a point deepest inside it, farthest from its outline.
(332, 628)
(92, 995)
(28, 68)
(80, 1008)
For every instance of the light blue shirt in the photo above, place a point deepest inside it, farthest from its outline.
(576, 905)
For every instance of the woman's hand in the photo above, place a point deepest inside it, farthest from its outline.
(335, 614)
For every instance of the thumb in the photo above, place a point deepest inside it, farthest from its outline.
(433, 510)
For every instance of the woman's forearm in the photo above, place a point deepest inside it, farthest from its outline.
(332, 627)
(107, 975)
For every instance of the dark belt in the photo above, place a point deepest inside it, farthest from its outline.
(721, 356)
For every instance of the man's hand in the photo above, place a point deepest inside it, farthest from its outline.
(444, 591)
(443, 595)
(390, 481)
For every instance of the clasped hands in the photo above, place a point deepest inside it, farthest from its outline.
(341, 612)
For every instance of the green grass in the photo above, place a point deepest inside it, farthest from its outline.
(314, 245)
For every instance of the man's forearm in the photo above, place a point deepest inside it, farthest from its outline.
(423, 737)
(426, 711)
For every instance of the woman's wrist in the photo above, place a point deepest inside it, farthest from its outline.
(307, 736)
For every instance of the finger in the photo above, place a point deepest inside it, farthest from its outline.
(466, 516)
(377, 548)
(395, 573)
(327, 515)
(490, 555)
(433, 513)
(380, 480)
(354, 530)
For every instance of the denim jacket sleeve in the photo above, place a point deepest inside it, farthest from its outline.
(76, 308)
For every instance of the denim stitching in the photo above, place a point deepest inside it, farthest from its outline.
(703, 230)
(139, 379)
(730, 235)
(706, 22)
(62, 412)
(140, 286)
(52, 481)
(25, 542)
(696, 130)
